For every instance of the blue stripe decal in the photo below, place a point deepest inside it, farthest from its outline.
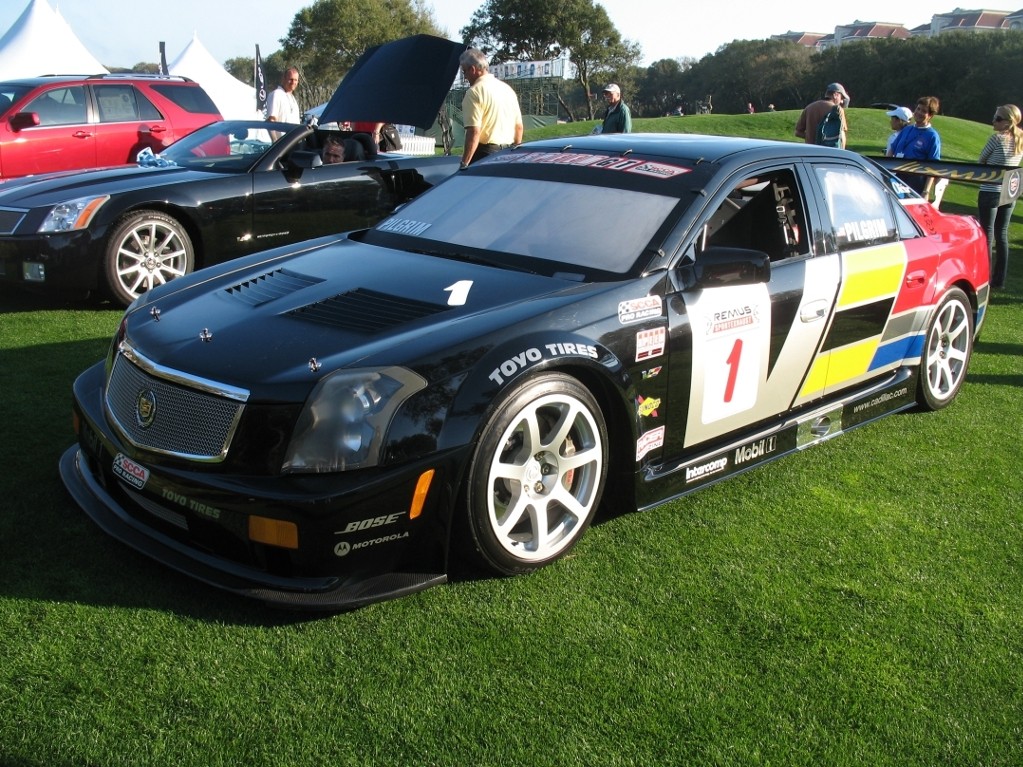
(909, 347)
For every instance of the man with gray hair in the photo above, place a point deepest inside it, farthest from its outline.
(618, 118)
(490, 110)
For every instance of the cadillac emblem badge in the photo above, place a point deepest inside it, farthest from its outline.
(145, 408)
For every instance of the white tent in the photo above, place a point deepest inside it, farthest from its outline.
(234, 99)
(40, 42)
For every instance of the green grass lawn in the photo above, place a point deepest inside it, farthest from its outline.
(860, 603)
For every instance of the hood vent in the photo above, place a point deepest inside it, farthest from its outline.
(366, 311)
(270, 286)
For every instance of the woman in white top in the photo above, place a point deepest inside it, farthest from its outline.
(1005, 147)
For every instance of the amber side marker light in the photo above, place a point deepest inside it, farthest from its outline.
(419, 496)
(273, 532)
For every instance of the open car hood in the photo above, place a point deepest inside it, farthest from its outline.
(403, 82)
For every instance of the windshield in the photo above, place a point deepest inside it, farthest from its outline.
(579, 225)
(223, 146)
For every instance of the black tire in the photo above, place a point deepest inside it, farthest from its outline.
(146, 249)
(948, 346)
(537, 474)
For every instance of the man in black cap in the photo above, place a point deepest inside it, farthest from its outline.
(618, 118)
(834, 96)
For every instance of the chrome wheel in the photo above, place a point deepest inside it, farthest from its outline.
(146, 250)
(538, 474)
(947, 350)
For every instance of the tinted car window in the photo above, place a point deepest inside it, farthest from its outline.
(858, 206)
(10, 94)
(60, 106)
(194, 100)
(116, 103)
(147, 109)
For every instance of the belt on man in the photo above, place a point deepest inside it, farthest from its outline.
(495, 147)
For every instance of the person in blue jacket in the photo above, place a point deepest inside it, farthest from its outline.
(919, 141)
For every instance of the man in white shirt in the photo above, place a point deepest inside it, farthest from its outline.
(281, 105)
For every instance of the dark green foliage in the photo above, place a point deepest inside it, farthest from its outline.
(969, 73)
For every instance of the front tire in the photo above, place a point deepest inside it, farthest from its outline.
(948, 346)
(146, 249)
(537, 475)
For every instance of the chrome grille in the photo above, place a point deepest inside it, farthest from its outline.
(187, 422)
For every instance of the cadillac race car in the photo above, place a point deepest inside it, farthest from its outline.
(328, 424)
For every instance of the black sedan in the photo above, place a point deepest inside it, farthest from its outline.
(324, 425)
(229, 189)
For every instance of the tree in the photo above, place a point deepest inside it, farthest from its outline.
(242, 68)
(525, 30)
(538, 30)
(660, 88)
(327, 37)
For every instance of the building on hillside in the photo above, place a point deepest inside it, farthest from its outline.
(869, 30)
(806, 39)
(959, 20)
(981, 20)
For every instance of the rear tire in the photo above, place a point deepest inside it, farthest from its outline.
(948, 346)
(537, 474)
(147, 249)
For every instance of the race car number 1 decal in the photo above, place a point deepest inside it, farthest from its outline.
(730, 334)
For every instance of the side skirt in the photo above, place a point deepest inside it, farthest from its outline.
(666, 482)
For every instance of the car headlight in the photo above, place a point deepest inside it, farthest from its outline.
(73, 214)
(343, 423)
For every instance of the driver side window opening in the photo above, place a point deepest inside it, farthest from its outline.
(764, 212)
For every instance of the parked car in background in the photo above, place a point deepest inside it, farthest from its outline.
(327, 424)
(226, 190)
(69, 122)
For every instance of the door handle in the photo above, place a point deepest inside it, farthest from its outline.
(815, 310)
(81, 134)
(157, 128)
(916, 279)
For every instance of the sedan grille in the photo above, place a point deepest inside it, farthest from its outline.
(159, 410)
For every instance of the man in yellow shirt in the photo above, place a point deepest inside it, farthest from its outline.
(490, 110)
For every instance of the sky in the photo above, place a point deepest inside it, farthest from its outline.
(122, 33)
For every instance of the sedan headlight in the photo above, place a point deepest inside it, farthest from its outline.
(73, 214)
(345, 419)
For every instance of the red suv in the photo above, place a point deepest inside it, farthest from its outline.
(61, 122)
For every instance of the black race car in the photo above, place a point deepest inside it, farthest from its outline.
(324, 425)
(229, 189)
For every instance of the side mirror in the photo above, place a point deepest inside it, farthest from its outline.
(24, 120)
(298, 162)
(717, 267)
